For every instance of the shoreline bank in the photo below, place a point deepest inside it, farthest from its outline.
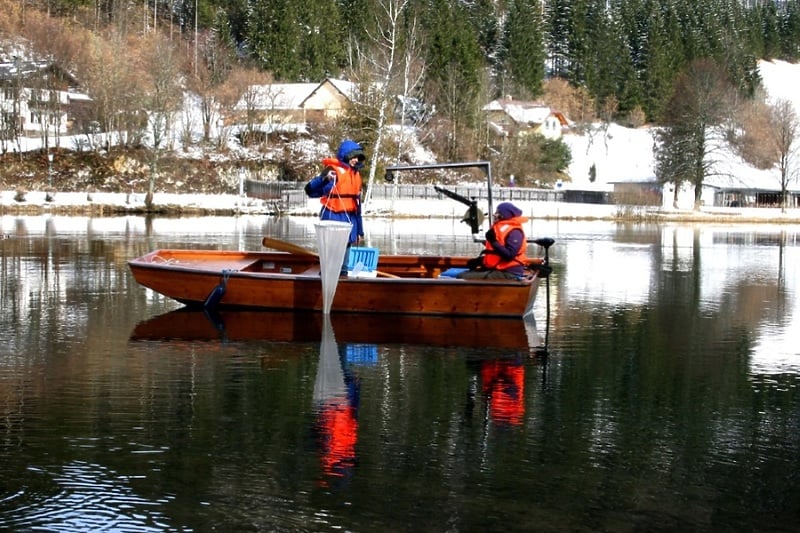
(179, 205)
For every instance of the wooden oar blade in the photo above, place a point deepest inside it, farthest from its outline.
(283, 246)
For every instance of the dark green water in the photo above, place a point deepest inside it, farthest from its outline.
(667, 399)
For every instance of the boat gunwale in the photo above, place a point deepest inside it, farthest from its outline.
(141, 262)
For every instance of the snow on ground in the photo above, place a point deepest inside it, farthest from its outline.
(781, 80)
(618, 154)
(625, 155)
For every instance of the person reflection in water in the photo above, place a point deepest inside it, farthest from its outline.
(338, 433)
(503, 385)
(337, 394)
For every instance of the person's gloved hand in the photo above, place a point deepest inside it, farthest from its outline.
(328, 174)
(490, 236)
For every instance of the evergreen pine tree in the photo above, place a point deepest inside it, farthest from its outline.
(273, 38)
(236, 11)
(600, 52)
(454, 67)
(770, 24)
(321, 42)
(790, 31)
(556, 25)
(622, 68)
(660, 59)
(523, 47)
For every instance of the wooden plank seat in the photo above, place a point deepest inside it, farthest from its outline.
(242, 264)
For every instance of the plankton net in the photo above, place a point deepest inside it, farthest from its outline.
(332, 237)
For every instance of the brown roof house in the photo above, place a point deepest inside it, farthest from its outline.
(37, 98)
(508, 117)
(296, 103)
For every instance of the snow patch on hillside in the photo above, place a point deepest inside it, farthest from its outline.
(623, 154)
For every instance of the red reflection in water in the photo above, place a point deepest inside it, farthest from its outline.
(338, 436)
(504, 385)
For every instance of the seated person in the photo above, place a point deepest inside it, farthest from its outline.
(503, 256)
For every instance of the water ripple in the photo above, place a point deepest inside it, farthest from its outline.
(85, 497)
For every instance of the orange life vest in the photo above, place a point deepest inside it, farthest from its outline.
(491, 259)
(346, 192)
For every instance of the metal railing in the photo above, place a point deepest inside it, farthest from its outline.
(289, 194)
(476, 192)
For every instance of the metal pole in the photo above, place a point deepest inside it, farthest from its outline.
(485, 165)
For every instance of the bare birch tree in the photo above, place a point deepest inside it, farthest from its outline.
(109, 70)
(239, 100)
(210, 72)
(394, 57)
(164, 97)
(783, 132)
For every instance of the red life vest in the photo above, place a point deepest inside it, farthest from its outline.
(346, 192)
(491, 259)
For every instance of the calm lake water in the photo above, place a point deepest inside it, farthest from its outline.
(668, 397)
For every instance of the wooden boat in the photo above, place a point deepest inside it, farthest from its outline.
(406, 284)
(197, 325)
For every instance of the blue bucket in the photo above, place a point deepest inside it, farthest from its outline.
(367, 257)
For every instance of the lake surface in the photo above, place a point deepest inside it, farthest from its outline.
(667, 397)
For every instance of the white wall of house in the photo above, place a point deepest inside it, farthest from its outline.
(550, 128)
(55, 120)
(325, 98)
(686, 196)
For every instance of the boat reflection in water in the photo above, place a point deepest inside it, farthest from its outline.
(349, 342)
(190, 324)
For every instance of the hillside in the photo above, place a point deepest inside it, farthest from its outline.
(626, 154)
(618, 154)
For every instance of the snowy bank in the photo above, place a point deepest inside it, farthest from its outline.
(164, 204)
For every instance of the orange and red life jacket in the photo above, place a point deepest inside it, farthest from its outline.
(502, 228)
(346, 192)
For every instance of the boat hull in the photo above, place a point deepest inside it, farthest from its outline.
(187, 324)
(262, 280)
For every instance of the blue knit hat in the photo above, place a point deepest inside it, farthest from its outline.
(508, 210)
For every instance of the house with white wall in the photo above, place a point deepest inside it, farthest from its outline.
(36, 97)
(293, 103)
(509, 117)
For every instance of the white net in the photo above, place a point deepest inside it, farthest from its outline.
(332, 237)
(329, 382)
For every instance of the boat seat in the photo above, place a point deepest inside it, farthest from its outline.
(410, 272)
(245, 264)
(311, 271)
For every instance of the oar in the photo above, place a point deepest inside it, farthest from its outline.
(284, 246)
(277, 244)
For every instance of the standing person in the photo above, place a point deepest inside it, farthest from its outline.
(339, 189)
(503, 256)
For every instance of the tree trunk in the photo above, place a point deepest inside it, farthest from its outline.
(698, 193)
